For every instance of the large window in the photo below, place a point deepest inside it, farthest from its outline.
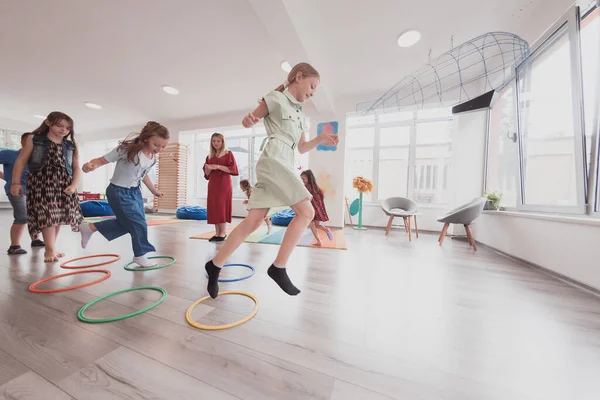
(246, 146)
(550, 146)
(405, 154)
(540, 159)
(590, 59)
(10, 139)
(502, 158)
(394, 145)
(433, 145)
(360, 145)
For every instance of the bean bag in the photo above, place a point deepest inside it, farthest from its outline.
(283, 218)
(191, 212)
(96, 208)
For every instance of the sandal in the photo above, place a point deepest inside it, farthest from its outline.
(16, 250)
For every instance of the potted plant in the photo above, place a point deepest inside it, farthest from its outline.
(493, 200)
(363, 186)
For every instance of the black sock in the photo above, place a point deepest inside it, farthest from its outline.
(213, 279)
(280, 276)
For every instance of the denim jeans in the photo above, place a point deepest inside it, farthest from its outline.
(19, 205)
(128, 206)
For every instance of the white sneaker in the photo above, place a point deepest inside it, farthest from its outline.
(86, 233)
(144, 262)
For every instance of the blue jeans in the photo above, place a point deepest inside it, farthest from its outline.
(128, 206)
(19, 205)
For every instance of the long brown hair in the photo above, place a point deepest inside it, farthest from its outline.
(135, 142)
(53, 119)
(312, 182)
(213, 152)
(307, 71)
(245, 186)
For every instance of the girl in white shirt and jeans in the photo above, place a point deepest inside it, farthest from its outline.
(134, 157)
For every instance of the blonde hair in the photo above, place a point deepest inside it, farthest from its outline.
(305, 69)
(213, 152)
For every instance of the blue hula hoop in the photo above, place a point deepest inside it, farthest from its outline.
(250, 267)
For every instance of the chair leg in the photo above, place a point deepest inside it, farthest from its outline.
(443, 234)
(470, 237)
(389, 225)
(405, 224)
(409, 230)
(416, 226)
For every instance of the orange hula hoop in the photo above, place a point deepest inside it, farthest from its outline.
(32, 287)
(64, 265)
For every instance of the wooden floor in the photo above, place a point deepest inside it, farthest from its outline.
(387, 318)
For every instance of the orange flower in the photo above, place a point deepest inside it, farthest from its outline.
(362, 185)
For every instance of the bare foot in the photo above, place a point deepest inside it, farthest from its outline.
(318, 244)
(60, 255)
(51, 257)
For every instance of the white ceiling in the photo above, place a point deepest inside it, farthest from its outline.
(222, 55)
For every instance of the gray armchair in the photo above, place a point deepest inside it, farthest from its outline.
(463, 215)
(400, 207)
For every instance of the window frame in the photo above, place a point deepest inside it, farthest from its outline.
(588, 180)
(412, 151)
(572, 21)
(593, 181)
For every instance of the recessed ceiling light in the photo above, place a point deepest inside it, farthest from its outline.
(286, 66)
(40, 116)
(409, 38)
(170, 89)
(92, 105)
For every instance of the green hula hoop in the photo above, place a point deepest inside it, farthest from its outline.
(83, 318)
(173, 260)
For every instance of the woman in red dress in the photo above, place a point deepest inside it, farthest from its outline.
(218, 168)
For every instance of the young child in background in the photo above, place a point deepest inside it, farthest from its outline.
(246, 188)
(135, 156)
(51, 155)
(318, 204)
(278, 183)
(19, 204)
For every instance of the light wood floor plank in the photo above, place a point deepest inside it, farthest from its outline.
(31, 386)
(125, 374)
(10, 368)
(46, 344)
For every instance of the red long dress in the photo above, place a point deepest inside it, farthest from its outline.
(220, 191)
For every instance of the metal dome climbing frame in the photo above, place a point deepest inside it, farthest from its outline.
(475, 67)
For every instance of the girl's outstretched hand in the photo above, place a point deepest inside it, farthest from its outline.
(249, 120)
(89, 167)
(157, 193)
(329, 139)
(70, 190)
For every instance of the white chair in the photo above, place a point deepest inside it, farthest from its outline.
(463, 215)
(400, 207)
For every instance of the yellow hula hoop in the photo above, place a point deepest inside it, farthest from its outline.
(188, 313)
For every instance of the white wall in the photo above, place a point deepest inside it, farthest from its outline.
(328, 168)
(468, 159)
(567, 246)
